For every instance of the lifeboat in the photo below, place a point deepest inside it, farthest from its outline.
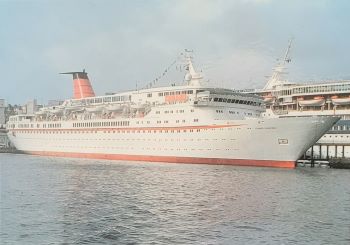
(41, 112)
(269, 99)
(340, 101)
(95, 109)
(316, 101)
(138, 106)
(114, 107)
(57, 111)
(73, 108)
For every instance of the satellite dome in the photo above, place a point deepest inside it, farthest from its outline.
(188, 77)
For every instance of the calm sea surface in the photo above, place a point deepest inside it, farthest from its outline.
(74, 201)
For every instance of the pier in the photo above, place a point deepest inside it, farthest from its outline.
(5, 144)
(327, 154)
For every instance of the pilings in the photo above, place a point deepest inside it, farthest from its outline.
(324, 152)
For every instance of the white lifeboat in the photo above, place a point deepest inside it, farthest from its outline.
(138, 106)
(114, 107)
(340, 101)
(316, 101)
(41, 112)
(57, 111)
(95, 109)
(73, 108)
(269, 99)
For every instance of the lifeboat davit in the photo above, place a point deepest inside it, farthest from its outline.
(316, 101)
(340, 101)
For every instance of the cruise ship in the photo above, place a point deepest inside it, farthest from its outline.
(188, 123)
(331, 98)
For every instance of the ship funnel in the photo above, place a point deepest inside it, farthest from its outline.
(81, 84)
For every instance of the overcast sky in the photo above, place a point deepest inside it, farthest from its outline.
(121, 43)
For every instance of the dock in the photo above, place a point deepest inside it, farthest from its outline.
(5, 144)
(326, 155)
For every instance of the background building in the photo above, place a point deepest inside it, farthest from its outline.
(2, 112)
(31, 107)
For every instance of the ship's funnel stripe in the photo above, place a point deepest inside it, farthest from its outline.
(82, 88)
(81, 85)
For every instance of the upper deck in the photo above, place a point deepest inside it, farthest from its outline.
(196, 102)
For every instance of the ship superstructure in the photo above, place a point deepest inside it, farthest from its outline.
(189, 123)
(329, 98)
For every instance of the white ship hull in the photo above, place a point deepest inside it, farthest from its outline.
(277, 142)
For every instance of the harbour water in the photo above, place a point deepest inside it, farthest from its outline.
(75, 201)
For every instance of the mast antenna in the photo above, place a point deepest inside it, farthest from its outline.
(277, 74)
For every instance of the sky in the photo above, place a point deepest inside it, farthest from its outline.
(129, 43)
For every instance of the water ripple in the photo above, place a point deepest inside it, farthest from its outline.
(73, 201)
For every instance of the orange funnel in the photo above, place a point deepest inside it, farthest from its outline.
(81, 85)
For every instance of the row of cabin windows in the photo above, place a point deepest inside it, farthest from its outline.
(122, 131)
(107, 99)
(319, 89)
(174, 93)
(341, 128)
(141, 122)
(50, 125)
(235, 112)
(177, 121)
(101, 100)
(171, 111)
(101, 124)
(245, 113)
(92, 124)
(242, 102)
(336, 136)
(23, 126)
(110, 131)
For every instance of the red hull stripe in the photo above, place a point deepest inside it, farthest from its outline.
(171, 159)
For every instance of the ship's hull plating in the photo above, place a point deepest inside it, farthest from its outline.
(277, 142)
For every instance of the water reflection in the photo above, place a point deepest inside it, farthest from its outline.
(84, 201)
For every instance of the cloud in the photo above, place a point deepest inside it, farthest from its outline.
(121, 43)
